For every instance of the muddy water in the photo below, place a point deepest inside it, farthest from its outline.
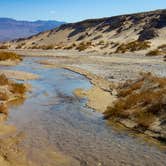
(53, 119)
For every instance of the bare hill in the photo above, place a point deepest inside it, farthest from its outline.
(126, 33)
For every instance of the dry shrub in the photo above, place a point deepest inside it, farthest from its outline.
(3, 96)
(105, 46)
(154, 53)
(34, 47)
(14, 87)
(83, 46)
(48, 47)
(4, 47)
(44, 47)
(18, 88)
(165, 58)
(3, 109)
(58, 47)
(144, 119)
(122, 92)
(133, 46)
(142, 100)
(20, 45)
(70, 46)
(161, 50)
(3, 80)
(9, 55)
(8, 88)
(101, 42)
(162, 47)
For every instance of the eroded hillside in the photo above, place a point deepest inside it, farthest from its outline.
(105, 34)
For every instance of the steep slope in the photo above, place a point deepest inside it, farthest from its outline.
(141, 31)
(13, 29)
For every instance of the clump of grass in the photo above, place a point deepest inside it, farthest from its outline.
(162, 47)
(35, 47)
(48, 47)
(101, 42)
(58, 47)
(123, 92)
(161, 50)
(70, 46)
(142, 100)
(19, 46)
(9, 56)
(165, 58)
(83, 46)
(104, 46)
(18, 88)
(3, 80)
(144, 119)
(3, 96)
(133, 46)
(3, 109)
(9, 90)
(154, 52)
(44, 47)
(4, 47)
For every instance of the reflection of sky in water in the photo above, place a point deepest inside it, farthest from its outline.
(60, 80)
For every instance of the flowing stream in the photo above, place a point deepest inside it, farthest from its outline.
(53, 118)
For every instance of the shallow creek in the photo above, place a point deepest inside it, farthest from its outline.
(53, 119)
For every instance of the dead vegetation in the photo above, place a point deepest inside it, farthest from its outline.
(3, 80)
(101, 42)
(133, 46)
(161, 50)
(9, 56)
(19, 46)
(70, 46)
(83, 46)
(43, 47)
(4, 47)
(165, 58)
(154, 53)
(3, 96)
(18, 88)
(48, 47)
(9, 90)
(3, 109)
(142, 101)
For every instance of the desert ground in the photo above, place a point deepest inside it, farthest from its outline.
(105, 72)
(115, 68)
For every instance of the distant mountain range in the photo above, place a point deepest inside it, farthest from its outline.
(13, 29)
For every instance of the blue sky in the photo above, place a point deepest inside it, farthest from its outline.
(74, 10)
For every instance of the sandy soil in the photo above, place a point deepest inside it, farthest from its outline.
(104, 72)
(116, 67)
(95, 95)
(10, 155)
(19, 75)
(9, 63)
